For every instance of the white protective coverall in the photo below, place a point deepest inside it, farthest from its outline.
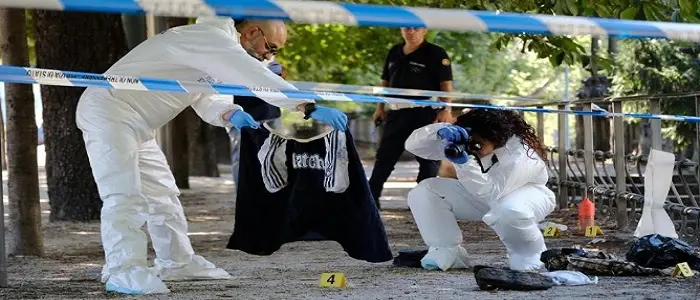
(511, 198)
(132, 175)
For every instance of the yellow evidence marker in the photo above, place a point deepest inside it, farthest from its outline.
(551, 231)
(332, 280)
(683, 270)
(593, 231)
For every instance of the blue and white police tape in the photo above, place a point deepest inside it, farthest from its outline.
(11, 74)
(378, 90)
(326, 12)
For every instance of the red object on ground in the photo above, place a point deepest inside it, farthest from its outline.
(586, 214)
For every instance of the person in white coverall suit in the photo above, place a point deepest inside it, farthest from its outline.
(507, 191)
(131, 172)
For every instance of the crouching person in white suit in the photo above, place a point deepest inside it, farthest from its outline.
(502, 182)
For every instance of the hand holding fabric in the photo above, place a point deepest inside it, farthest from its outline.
(240, 119)
(337, 119)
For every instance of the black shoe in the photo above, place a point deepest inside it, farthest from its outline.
(489, 278)
(409, 258)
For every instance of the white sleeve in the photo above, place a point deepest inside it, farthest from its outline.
(515, 170)
(337, 177)
(213, 52)
(487, 186)
(425, 143)
(273, 163)
(211, 109)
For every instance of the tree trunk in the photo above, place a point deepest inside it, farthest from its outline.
(202, 148)
(177, 135)
(23, 180)
(580, 138)
(175, 22)
(645, 137)
(134, 29)
(3, 141)
(86, 42)
(602, 132)
(179, 152)
(223, 146)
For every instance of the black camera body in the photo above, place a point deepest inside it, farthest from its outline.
(470, 146)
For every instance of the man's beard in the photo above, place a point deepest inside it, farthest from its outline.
(251, 51)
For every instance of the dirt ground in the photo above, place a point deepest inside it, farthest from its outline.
(73, 260)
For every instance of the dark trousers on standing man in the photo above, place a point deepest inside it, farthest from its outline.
(398, 126)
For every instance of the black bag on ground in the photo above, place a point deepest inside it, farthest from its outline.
(489, 278)
(660, 252)
(409, 258)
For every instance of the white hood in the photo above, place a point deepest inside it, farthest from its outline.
(225, 23)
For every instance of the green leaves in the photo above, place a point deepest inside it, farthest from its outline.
(355, 55)
(573, 7)
(689, 10)
(557, 59)
(603, 10)
(560, 7)
(654, 11)
(659, 67)
(688, 5)
(629, 13)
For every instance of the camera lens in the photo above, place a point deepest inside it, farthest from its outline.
(454, 150)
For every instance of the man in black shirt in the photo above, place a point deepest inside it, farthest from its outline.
(413, 64)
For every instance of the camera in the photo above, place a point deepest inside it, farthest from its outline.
(470, 146)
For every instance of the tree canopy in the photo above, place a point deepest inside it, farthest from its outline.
(510, 64)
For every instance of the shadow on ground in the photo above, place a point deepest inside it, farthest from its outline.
(74, 257)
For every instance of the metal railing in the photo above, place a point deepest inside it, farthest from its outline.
(614, 179)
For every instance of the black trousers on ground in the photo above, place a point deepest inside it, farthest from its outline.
(398, 126)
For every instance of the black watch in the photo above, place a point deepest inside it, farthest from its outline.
(308, 109)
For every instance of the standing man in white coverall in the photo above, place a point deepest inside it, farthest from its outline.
(502, 183)
(131, 172)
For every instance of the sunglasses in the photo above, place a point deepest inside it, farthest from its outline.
(271, 49)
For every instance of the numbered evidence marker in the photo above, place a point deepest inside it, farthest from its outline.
(330, 280)
(592, 231)
(683, 270)
(551, 231)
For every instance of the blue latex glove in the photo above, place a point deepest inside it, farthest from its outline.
(453, 134)
(331, 116)
(240, 119)
(275, 67)
(462, 158)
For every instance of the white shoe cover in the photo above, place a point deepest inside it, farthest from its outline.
(136, 281)
(445, 258)
(522, 263)
(104, 276)
(198, 269)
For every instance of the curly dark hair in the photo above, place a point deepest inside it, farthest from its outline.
(498, 126)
